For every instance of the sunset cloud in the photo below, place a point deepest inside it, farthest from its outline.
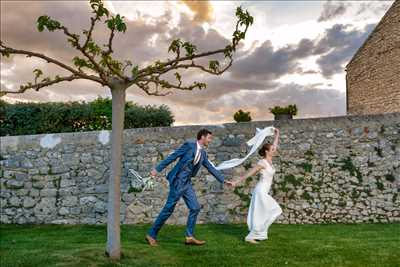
(203, 10)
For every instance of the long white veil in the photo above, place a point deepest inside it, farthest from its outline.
(254, 142)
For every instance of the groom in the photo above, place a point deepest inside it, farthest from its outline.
(191, 156)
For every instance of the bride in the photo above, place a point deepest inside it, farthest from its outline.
(263, 208)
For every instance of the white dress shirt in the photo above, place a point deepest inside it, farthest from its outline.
(198, 154)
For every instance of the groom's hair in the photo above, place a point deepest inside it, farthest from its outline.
(203, 132)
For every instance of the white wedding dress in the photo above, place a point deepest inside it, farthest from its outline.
(263, 208)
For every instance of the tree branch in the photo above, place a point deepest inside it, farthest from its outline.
(146, 88)
(155, 79)
(44, 83)
(89, 33)
(160, 71)
(180, 59)
(110, 39)
(5, 51)
(96, 65)
(194, 65)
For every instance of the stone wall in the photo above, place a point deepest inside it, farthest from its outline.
(373, 75)
(338, 169)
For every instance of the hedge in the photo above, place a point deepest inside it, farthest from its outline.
(56, 117)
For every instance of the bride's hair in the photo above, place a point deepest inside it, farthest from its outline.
(265, 147)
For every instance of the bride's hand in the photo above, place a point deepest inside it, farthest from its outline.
(230, 183)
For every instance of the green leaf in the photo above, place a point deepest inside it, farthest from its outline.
(98, 8)
(81, 63)
(135, 71)
(228, 51)
(214, 65)
(110, 24)
(41, 22)
(175, 45)
(38, 73)
(178, 77)
(119, 22)
(190, 48)
(5, 53)
(93, 48)
(116, 23)
(46, 22)
(200, 85)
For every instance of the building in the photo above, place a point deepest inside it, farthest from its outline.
(373, 74)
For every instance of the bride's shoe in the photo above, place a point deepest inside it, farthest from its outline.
(252, 241)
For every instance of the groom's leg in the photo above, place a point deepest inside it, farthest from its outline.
(165, 213)
(194, 208)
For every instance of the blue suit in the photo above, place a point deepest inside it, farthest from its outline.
(180, 184)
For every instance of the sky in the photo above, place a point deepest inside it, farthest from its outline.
(294, 53)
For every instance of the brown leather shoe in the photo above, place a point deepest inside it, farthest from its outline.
(152, 242)
(194, 241)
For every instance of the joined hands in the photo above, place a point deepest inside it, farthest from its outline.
(153, 173)
(230, 183)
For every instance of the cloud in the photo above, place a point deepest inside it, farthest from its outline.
(268, 63)
(203, 10)
(134, 44)
(338, 45)
(218, 87)
(331, 10)
(311, 101)
(253, 82)
(374, 7)
(208, 40)
(333, 48)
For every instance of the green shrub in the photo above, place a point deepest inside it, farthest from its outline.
(57, 117)
(290, 109)
(241, 116)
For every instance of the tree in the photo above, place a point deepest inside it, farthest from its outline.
(97, 64)
(241, 116)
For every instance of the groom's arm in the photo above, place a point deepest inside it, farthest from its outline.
(211, 169)
(173, 156)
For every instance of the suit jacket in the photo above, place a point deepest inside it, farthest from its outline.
(186, 154)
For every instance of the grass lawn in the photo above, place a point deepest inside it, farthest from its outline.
(288, 245)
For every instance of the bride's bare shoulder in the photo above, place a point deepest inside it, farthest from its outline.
(262, 164)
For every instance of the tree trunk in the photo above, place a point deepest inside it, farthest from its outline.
(114, 191)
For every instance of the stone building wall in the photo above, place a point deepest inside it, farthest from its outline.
(338, 169)
(373, 75)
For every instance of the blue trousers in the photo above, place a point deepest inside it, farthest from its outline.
(181, 187)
